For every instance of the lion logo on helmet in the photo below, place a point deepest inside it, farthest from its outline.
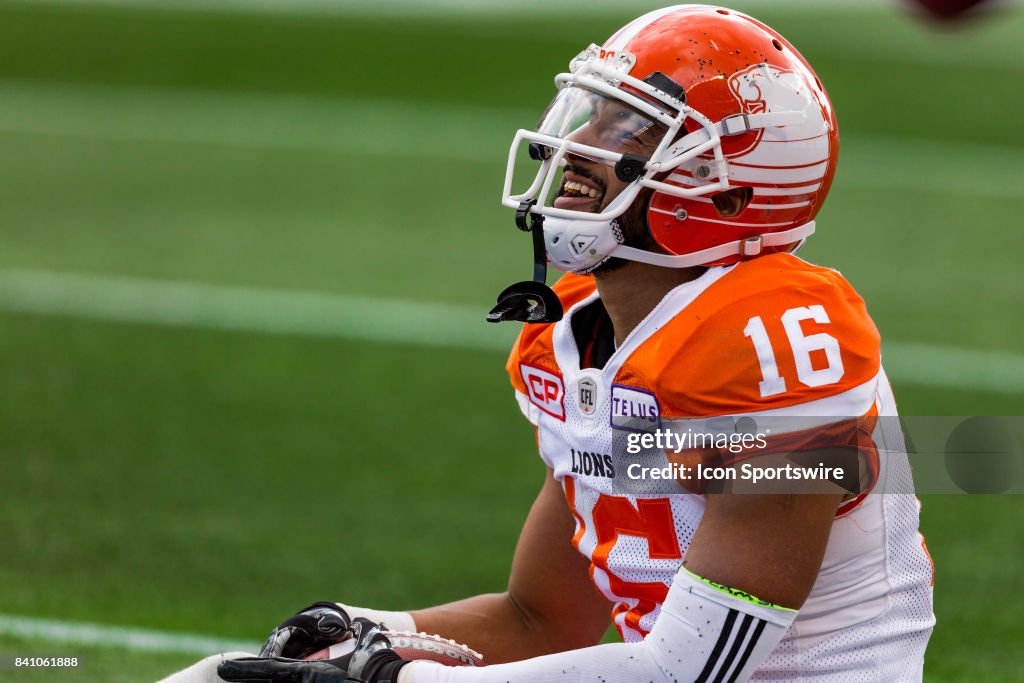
(762, 88)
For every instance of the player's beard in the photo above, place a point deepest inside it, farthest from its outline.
(635, 232)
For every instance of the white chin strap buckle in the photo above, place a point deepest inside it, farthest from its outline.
(751, 247)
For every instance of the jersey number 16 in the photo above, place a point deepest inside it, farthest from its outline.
(803, 345)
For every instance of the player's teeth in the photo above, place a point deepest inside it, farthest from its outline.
(593, 193)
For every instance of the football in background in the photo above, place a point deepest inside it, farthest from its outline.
(414, 646)
(947, 10)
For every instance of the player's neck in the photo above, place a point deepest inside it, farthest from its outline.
(631, 292)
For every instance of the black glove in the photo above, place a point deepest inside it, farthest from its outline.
(318, 626)
(372, 661)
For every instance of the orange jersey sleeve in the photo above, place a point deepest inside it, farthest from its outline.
(533, 346)
(776, 332)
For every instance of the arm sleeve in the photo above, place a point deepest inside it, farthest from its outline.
(705, 632)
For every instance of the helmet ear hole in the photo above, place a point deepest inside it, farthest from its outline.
(731, 203)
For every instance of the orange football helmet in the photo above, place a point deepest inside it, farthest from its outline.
(724, 101)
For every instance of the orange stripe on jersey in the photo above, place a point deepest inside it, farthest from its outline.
(570, 498)
(931, 562)
(651, 520)
(774, 332)
(534, 346)
(924, 546)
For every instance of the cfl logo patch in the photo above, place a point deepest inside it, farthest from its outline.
(588, 392)
(545, 390)
(588, 396)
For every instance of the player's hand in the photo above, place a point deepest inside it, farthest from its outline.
(318, 626)
(371, 661)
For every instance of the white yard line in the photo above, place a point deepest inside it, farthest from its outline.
(289, 312)
(452, 326)
(121, 637)
(459, 132)
(263, 121)
(954, 367)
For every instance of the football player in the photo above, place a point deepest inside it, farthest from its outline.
(679, 167)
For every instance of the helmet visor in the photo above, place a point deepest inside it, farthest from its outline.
(590, 118)
(586, 123)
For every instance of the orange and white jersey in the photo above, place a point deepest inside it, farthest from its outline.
(773, 336)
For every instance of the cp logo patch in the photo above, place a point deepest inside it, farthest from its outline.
(545, 390)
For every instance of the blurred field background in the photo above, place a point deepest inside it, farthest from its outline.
(245, 253)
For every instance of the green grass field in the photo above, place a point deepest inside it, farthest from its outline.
(187, 479)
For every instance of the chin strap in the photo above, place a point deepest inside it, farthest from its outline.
(529, 301)
(746, 248)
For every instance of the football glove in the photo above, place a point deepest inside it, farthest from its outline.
(371, 661)
(318, 626)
